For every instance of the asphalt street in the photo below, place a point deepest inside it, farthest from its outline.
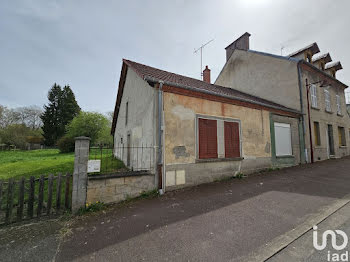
(234, 220)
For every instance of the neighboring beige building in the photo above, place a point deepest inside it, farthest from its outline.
(302, 81)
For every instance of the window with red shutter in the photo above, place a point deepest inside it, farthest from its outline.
(207, 132)
(232, 145)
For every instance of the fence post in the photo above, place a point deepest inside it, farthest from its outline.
(79, 189)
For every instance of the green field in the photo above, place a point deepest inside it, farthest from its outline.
(47, 161)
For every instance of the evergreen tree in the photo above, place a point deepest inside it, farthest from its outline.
(70, 106)
(61, 109)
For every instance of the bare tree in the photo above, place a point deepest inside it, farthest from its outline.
(29, 116)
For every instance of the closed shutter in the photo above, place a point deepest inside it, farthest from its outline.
(283, 139)
(232, 145)
(208, 145)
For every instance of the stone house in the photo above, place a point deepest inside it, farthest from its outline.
(199, 131)
(302, 81)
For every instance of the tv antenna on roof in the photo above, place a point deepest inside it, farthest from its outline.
(201, 49)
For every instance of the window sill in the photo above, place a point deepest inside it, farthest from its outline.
(206, 160)
(290, 156)
(340, 115)
(329, 112)
(343, 147)
(315, 108)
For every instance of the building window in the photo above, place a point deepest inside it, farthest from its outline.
(283, 139)
(317, 133)
(338, 104)
(322, 66)
(309, 57)
(313, 92)
(126, 112)
(327, 100)
(341, 135)
(207, 141)
(232, 144)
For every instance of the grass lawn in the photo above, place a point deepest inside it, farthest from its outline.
(34, 163)
(47, 161)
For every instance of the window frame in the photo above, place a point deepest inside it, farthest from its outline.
(327, 100)
(313, 93)
(317, 133)
(341, 136)
(338, 103)
(126, 112)
(198, 116)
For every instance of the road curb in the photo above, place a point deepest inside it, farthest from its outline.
(281, 242)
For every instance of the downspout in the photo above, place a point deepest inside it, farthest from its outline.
(160, 142)
(309, 120)
(302, 111)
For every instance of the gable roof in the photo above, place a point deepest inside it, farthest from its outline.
(312, 47)
(154, 75)
(336, 65)
(326, 57)
(151, 73)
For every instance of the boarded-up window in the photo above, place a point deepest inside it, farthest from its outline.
(317, 133)
(208, 146)
(283, 139)
(232, 145)
(341, 136)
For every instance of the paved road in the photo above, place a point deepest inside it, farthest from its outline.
(224, 221)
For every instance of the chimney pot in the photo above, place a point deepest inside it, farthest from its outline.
(206, 75)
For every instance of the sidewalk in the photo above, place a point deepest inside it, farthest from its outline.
(302, 249)
(220, 221)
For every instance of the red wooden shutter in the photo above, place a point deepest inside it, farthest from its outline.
(232, 145)
(208, 145)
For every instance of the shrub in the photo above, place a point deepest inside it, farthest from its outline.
(66, 144)
(91, 124)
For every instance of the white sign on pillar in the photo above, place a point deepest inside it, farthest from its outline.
(94, 166)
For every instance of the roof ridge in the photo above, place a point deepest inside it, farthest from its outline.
(166, 71)
(203, 85)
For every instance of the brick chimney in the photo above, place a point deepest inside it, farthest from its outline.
(241, 42)
(206, 75)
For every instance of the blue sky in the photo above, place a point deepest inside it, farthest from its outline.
(82, 43)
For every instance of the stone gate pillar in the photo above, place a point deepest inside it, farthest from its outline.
(82, 145)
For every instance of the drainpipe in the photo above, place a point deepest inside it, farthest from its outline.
(309, 120)
(302, 110)
(160, 144)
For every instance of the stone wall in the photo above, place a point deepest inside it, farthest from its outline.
(109, 189)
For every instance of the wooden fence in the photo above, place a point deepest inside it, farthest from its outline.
(34, 197)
